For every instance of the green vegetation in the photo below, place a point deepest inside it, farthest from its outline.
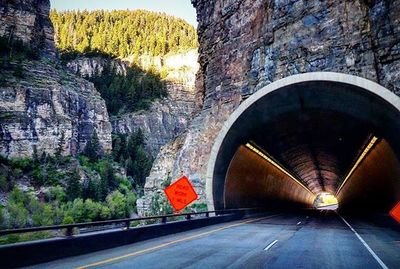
(161, 206)
(16, 50)
(83, 189)
(130, 153)
(121, 33)
(129, 93)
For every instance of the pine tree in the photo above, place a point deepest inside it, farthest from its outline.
(120, 33)
(74, 188)
(138, 164)
(93, 149)
(60, 146)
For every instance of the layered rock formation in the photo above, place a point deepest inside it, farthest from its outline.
(29, 22)
(247, 44)
(164, 121)
(45, 105)
(42, 106)
(89, 67)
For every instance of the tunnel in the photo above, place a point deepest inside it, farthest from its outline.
(308, 134)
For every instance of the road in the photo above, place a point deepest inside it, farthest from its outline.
(288, 240)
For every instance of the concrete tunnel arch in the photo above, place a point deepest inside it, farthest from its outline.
(363, 104)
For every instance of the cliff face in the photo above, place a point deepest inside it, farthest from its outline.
(170, 116)
(95, 66)
(46, 103)
(167, 117)
(29, 22)
(41, 104)
(247, 44)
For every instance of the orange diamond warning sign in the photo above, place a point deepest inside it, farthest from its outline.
(395, 212)
(180, 193)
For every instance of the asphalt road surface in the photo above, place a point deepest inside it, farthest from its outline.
(287, 240)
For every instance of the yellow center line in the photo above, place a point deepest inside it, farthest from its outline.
(170, 243)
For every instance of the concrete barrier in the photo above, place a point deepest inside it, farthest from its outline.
(29, 253)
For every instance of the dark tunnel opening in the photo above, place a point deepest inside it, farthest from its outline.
(301, 139)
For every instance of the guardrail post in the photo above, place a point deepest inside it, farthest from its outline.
(69, 231)
(164, 220)
(127, 224)
(188, 216)
(207, 214)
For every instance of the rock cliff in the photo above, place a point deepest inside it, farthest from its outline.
(89, 67)
(29, 22)
(167, 117)
(247, 44)
(42, 105)
(46, 104)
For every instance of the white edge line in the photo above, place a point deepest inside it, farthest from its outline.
(270, 245)
(381, 263)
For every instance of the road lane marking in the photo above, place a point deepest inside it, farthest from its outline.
(381, 263)
(298, 223)
(170, 243)
(270, 245)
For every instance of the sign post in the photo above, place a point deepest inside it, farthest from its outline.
(180, 193)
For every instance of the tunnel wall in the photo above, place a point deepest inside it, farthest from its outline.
(375, 184)
(252, 181)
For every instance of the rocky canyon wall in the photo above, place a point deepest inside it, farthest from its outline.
(29, 22)
(247, 44)
(42, 105)
(167, 117)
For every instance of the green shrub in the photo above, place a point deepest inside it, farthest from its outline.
(56, 193)
(23, 164)
(78, 210)
(105, 213)
(43, 215)
(3, 182)
(17, 196)
(116, 201)
(3, 224)
(18, 215)
(68, 220)
(92, 210)
(16, 238)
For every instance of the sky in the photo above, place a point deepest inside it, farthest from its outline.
(178, 8)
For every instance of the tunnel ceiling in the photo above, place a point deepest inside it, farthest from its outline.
(317, 146)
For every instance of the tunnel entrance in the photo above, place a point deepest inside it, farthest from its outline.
(305, 135)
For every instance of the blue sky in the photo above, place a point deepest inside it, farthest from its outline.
(179, 8)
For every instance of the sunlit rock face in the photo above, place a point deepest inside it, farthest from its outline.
(247, 44)
(167, 117)
(89, 67)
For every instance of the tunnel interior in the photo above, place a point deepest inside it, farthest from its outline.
(308, 138)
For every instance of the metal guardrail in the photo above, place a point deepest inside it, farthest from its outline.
(164, 218)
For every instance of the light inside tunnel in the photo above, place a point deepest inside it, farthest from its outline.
(264, 155)
(326, 201)
(357, 163)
